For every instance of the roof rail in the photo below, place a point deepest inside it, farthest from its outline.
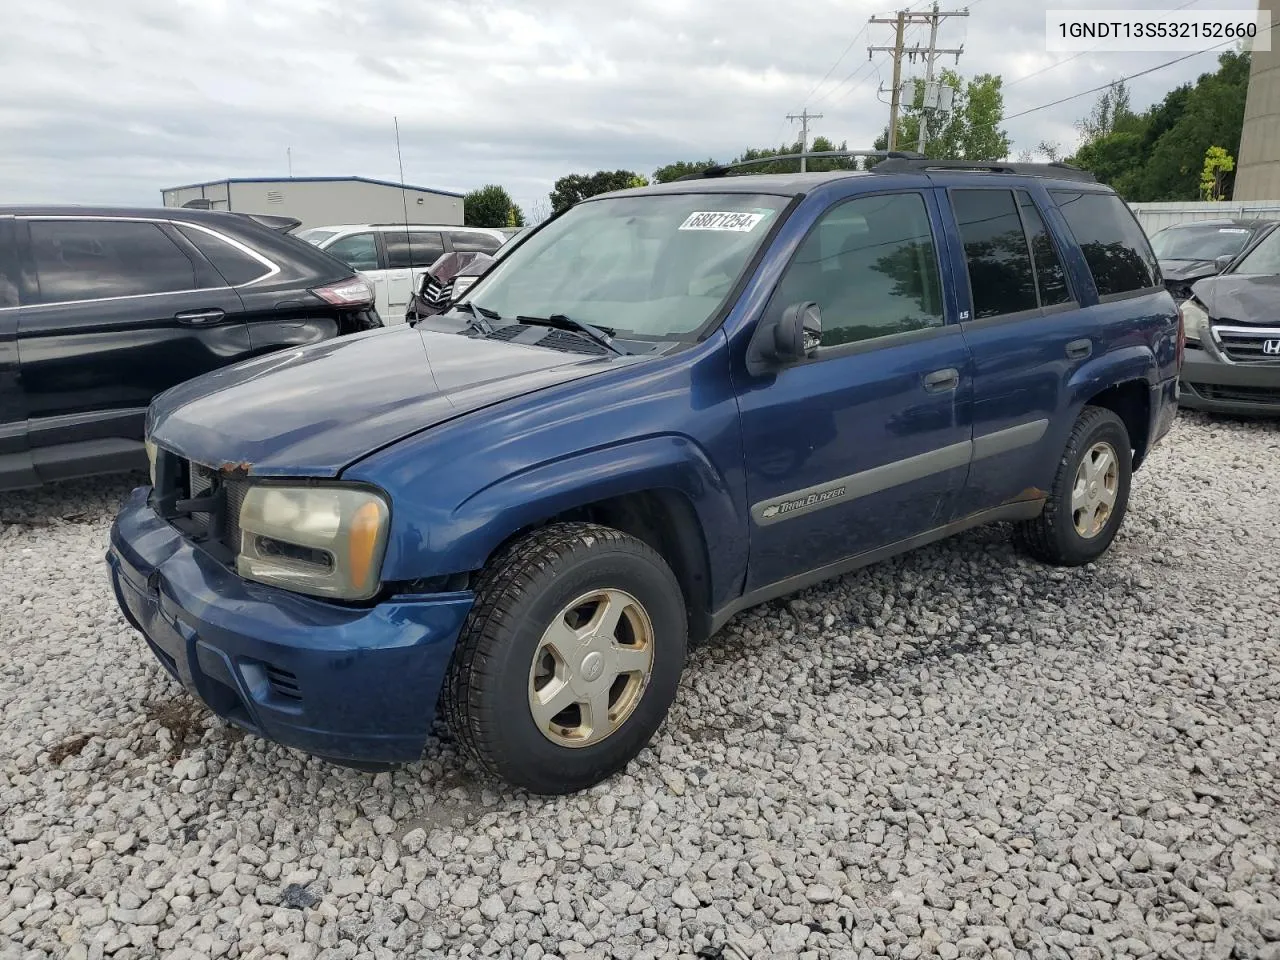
(917, 164)
(721, 170)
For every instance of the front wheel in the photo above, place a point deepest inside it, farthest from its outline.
(569, 659)
(1090, 493)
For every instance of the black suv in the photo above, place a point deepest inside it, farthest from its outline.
(101, 309)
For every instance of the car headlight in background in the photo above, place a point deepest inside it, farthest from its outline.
(324, 541)
(1195, 321)
(152, 453)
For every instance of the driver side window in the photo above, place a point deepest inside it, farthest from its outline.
(871, 265)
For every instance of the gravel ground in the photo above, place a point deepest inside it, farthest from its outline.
(957, 753)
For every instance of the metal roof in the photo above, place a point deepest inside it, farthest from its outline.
(380, 183)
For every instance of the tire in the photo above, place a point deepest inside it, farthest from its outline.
(1054, 536)
(503, 664)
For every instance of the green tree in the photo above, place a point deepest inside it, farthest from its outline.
(970, 130)
(681, 168)
(570, 189)
(491, 206)
(1217, 163)
(1159, 154)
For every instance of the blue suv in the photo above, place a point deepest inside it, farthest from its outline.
(662, 407)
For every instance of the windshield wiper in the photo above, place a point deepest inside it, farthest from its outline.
(479, 316)
(600, 335)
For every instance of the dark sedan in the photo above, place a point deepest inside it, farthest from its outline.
(1232, 325)
(1203, 248)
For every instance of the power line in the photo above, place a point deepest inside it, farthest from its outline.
(832, 69)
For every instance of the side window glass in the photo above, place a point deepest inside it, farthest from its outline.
(1050, 276)
(8, 265)
(871, 265)
(358, 251)
(1113, 244)
(97, 259)
(469, 242)
(406, 250)
(995, 251)
(235, 266)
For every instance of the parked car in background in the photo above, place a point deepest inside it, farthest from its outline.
(446, 280)
(1232, 324)
(103, 308)
(1197, 249)
(394, 256)
(664, 406)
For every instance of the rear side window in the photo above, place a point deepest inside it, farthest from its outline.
(8, 265)
(1051, 279)
(235, 266)
(995, 251)
(469, 242)
(358, 251)
(1113, 244)
(97, 259)
(412, 249)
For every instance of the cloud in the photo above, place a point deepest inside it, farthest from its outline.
(112, 102)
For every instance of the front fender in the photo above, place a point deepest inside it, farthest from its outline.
(665, 462)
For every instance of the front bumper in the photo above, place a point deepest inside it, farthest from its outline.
(355, 685)
(1209, 384)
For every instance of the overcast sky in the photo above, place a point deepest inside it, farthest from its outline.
(110, 102)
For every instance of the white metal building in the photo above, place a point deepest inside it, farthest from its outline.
(319, 201)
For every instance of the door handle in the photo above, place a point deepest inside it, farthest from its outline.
(1079, 349)
(942, 380)
(200, 317)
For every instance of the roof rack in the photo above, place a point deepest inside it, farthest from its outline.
(721, 170)
(918, 164)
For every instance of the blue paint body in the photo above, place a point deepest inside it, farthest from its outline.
(475, 440)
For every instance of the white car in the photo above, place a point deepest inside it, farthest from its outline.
(393, 256)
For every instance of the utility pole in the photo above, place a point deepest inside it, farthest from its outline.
(901, 21)
(895, 95)
(804, 116)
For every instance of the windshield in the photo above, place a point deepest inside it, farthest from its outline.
(1199, 243)
(315, 237)
(1264, 258)
(650, 266)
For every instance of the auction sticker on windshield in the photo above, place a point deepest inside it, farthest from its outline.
(712, 220)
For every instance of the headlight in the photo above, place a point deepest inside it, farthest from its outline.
(1194, 319)
(325, 541)
(152, 453)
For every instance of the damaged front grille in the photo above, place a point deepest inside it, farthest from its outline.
(202, 503)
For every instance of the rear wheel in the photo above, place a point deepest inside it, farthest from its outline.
(1090, 493)
(569, 659)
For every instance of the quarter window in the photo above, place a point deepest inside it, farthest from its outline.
(358, 251)
(235, 266)
(98, 259)
(412, 249)
(871, 265)
(1113, 244)
(1001, 280)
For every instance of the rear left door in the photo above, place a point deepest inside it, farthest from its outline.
(114, 312)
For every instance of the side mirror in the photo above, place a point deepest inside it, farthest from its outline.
(791, 338)
(1223, 261)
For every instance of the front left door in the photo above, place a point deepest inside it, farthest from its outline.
(861, 446)
(15, 465)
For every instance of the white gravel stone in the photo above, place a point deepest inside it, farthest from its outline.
(953, 753)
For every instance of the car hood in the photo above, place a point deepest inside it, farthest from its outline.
(315, 410)
(1242, 299)
(1187, 269)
